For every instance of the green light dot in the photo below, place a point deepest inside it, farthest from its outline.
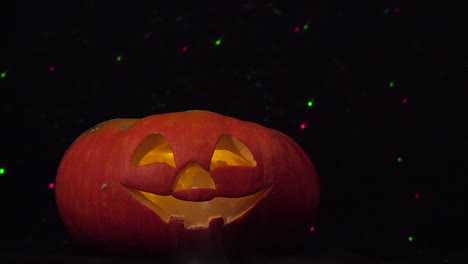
(2, 171)
(310, 103)
(218, 41)
(391, 84)
(306, 26)
(386, 11)
(3, 74)
(399, 159)
(119, 58)
(410, 238)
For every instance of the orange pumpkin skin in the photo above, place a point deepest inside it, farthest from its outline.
(100, 182)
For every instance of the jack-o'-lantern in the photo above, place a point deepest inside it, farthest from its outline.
(169, 180)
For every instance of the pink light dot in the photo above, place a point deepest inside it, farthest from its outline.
(303, 126)
(312, 229)
(51, 185)
(296, 29)
(184, 48)
(397, 9)
(405, 100)
(416, 196)
(52, 68)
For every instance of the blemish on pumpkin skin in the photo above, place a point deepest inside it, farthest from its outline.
(104, 186)
(91, 130)
(127, 124)
(98, 126)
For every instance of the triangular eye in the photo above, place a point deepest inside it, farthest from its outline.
(154, 148)
(229, 151)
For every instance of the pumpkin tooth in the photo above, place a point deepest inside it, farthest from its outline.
(216, 221)
(176, 219)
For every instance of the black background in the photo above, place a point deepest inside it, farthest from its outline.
(263, 71)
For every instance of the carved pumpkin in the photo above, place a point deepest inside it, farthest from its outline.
(169, 180)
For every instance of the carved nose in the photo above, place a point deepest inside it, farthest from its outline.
(193, 176)
(194, 184)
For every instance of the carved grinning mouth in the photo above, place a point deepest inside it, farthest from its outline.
(197, 214)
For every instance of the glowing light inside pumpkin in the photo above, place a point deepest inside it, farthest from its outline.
(193, 176)
(197, 214)
(229, 151)
(154, 148)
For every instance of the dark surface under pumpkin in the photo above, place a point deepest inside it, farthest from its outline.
(187, 182)
(329, 257)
